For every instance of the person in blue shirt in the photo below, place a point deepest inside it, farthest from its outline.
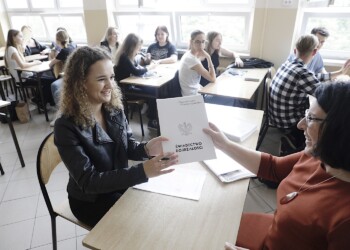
(316, 65)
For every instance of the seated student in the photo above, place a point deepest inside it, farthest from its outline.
(290, 88)
(95, 141)
(191, 69)
(316, 65)
(162, 51)
(14, 55)
(14, 59)
(62, 41)
(313, 202)
(110, 41)
(214, 49)
(126, 66)
(32, 46)
(55, 48)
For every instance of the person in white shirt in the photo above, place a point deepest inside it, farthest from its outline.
(191, 69)
(14, 54)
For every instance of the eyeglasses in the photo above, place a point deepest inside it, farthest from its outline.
(200, 42)
(309, 118)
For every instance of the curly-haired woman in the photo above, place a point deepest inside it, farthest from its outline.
(95, 141)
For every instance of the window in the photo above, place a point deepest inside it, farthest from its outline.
(45, 16)
(232, 18)
(335, 16)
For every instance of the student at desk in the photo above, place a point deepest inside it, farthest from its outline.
(62, 41)
(95, 141)
(125, 66)
(191, 69)
(214, 49)
(14, 55)
(313, 201)
(110, 41)
(14, 59)
(32, 46)
(316, 65)
(162, 51)
(290, 88)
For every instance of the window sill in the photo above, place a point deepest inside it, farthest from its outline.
(334, 62)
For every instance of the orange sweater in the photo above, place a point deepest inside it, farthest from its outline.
(318, 218)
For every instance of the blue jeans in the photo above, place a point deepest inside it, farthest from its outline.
(56, 90)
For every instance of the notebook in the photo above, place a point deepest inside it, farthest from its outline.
(227, 169)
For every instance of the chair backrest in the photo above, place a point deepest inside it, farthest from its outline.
(174, 88)
(47, 160)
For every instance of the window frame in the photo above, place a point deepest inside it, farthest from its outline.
(224, 9)
(327, 12)
(57, 11)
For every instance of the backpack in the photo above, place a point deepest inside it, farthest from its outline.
(252, 62)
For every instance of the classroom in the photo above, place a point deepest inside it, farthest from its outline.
(97, 96)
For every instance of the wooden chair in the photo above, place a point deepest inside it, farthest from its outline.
(47, 160)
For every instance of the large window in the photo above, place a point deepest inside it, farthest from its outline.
(45, 16)
(232, 18)
(335, 16)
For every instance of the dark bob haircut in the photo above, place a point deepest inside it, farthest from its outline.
(334, 139)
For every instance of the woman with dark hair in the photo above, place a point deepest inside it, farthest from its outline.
(214, 49)
(95, 141)
(191, 69)
(110, 41)
(162, 51)
(313, 201)
(126, 65)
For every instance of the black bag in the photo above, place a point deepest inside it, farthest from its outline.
(12, 111)
(252, 62)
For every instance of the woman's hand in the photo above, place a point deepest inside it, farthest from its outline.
(230, 246)
(218, 137)
(157, 165)
(239, 62)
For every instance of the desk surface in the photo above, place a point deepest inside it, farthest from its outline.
(165, 72)
(145, 220)
(44, 66)
(235, 86)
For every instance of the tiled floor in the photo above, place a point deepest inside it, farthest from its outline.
(24, 219)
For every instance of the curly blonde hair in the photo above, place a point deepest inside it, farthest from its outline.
(74, 99)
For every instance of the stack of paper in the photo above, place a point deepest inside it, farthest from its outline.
(227, 169)
(235, 129)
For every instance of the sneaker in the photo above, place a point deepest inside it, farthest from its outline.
(57, 115)
(153, 124)
(287, 146)
(144, 108)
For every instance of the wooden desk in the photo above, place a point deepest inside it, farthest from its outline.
(235, 86)
(145, 220)
(165, 72)
(5, 104)
(2, 63)
(39, 70)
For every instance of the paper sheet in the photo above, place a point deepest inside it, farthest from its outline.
(182, 121)
(183, 183)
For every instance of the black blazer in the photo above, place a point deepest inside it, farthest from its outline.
(98, 161)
